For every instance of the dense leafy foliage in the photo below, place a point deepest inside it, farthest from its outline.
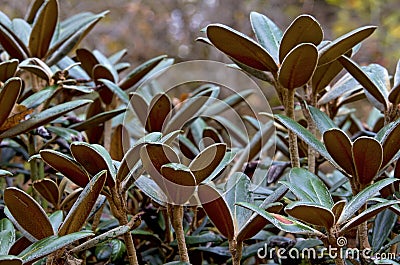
(176, 181)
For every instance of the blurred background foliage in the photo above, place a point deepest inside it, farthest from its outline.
(148, 28)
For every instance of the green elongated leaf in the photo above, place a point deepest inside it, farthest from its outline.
(386, 262)
(140, 106)
(298, 66)
(390, 140)
(26, 238)
(8, 69)
(187, 147)
(116, 90)
(309, 188)
(96, 120)
(39, 97)
(158, 113)
(70, 199)
(66, 166)
(12, 45)
(345, 85)
(102, 72)
(204, 40)
(379, 76)
(179, 183)
(235, 132)
(256, 223)
(149, 187)
(103, 251)
(252, 149)
(305, 135)
(119, 142)
(284, 223)
(211, 136)
(383, 225)
(44, 117)
(50, 244)
(304, 29)
(170, 137)
(394, 95)
(8, 97)
(87, 59)
(38, 71)
(113, 233)
(207, 161)
(267, 33)
(83, 205)
(311, 213)
(33, 10)
(386, 130)
(201, 239)
(22, 30)
(365, 80)
(367, 158)
(117, 249)
(228, 158)
(74, 30)
(262, 75)
(7, 236)
(6, 225)
(366, 215)
(154, 156)
(43, 29)
(132, 156)
(4, 19)
(10, 260)
(323, 122)
(137, 74)
(338, 207)
(56, 219)
(351, 98)
(19, 245)
(38, 62)
(240, 47)
(94, 158)
(5, 173)
(73, 23)
(220, 251)
(324, 75)
(339, 147)
(177, 263)
(238, 190)
(227, 103)
(160, 153)
(217, 210)
(362, 197)
(103, 60)
(196, 129)
(101, 200)
(396, 81)
(192, 107)
(48, 189)
(343, 44)
(117, 57)
(28, 213)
